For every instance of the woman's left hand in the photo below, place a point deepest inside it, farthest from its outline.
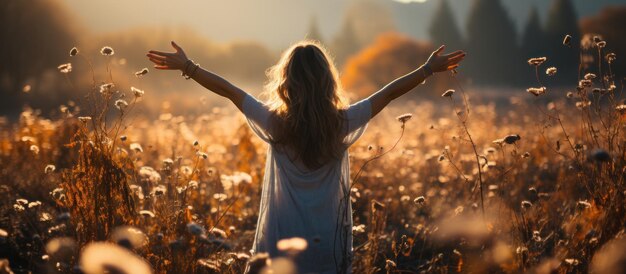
(169, 60)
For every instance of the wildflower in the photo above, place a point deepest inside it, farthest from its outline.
(377, 206)
(195, 229)
(18, 207)
(129, 237)
(101, 257)
(509, 139)
(106, 88)
(21, 201)
(136, 147)
(84, 119)
(448, 93)
(582, 205)
(202, 154)
(526, 155)
(390, 265)
(601, 44)
(192, 184)
(142, 72)
(159, 190)
(405, 198)
(34, 204)
(58, 193)
(49, 169)
(572, 262)
(292, 245)
(195, 143)
(146, 213)
(404, 117)
(419, 200)
(536, 91)
(358, 229)
(583, 104)
(536, 236)
(107, 51)
(567, 41)
(569, 94)
(220, 196)
(611, 57)
(65, 68)
(61, 248)
(521, 250)
(537, 61)
(551, 71)
(621, 108)
(137, 92)
(590, 76)
(121, 104)
(458, 210)
(73, 51)
(123, 138)
(526, 204)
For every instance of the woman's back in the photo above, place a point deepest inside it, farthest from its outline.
(312, 204)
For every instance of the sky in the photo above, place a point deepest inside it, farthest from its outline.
(276, 23)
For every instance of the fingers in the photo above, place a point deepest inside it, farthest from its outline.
(161, 53)
(158, 62)
(157, 57)
(439, 50)
(456, 58)
(452, 67)
(164, 67)
(176, 47)
(455, 54)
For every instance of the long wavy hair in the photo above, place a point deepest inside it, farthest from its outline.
(306, 97)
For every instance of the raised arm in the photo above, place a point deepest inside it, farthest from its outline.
(436, 63)
(178, 61)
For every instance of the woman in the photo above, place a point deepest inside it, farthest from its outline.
(308, 128)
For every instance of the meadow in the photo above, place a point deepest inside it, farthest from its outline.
(454, 185)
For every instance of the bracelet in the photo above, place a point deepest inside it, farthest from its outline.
(184, 71)
(427, 70)
(193, 72)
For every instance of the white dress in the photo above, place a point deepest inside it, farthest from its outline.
(311, 204)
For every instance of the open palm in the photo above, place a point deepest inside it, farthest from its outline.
(440, 63)
(169, 60)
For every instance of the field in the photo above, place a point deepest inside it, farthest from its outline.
(458, 187)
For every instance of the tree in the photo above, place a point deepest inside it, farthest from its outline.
(562, 20)
(533, 40)
(390, 56)
(36, 36)
(609, 24)
(443, 29)
(346, 42)
(493, 56)
(314, 33)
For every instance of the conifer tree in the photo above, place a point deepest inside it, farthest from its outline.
(443, 29)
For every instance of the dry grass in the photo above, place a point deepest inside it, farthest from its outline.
(459, 192)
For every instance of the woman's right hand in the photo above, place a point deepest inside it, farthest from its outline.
(169, 60)
(440, 63)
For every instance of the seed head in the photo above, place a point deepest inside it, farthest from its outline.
(106, 88)
(84, 119)
(419, 200)
(404, 117)
(611, 57)
(621, 109)
(590, 76)
(107, 51)
(537, 91)
(526, 204)
(142, 72)
(65, 68)
(73, 51)
(448, 93)
(601, 44)
(567, 41)
(49, 169)
(537, 61)
(551, 71)
(137, 92)
(121, 104)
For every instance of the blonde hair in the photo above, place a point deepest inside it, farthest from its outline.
(306, 97)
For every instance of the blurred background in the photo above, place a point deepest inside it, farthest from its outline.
(372, 41)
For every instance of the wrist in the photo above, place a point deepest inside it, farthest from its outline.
(428, 71)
